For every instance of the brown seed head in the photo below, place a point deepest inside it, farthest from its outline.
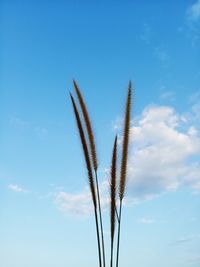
(85, 151)
(125, 144)
(88, 126)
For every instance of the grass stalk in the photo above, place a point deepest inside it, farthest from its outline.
(90, 173)
(98, 236)
(93, 157)
(117, 215)
(124, 162)
(113, 197)
(89, 151)
(100, 218)
(119, 230)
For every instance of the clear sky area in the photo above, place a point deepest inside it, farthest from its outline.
(46, 217)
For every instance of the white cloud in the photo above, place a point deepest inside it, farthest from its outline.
(18, 122)
(146, 221)
(16, 188)
(195, 259)
(163, 156)
(117, 124)
(185, 239)
(41, 132)
(181, 240)
(192, 29)
(80, 203)
(146, 34)
(167, 95)
(195, 101)
(193, 12)
(162, 55)
(160, 153)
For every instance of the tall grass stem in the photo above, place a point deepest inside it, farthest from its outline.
(101, 221)
(113, 197)
(118, 237)
(90, 173)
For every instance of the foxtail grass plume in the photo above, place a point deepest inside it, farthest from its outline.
(89, 150)
(93, 156)
(124, 163)
(85, 150)
(125, 144)
(90, 174)
(88, 126)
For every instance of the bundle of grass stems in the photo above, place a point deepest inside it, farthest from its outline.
(116, 194)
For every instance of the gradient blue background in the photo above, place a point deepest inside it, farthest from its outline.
(102, 44)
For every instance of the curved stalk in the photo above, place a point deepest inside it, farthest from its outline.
(89, 170)
(100, 217)
(118, 237)
(111, 256)
(98, 238)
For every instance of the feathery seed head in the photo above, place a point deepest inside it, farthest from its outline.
(125, 144)
(85, 151)
(88, 125)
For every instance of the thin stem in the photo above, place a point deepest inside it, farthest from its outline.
(98, 238)
(116, 212)
(119, 228)
(111, 256)
(100, 217)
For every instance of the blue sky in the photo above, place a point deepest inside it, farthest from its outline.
(45, 210)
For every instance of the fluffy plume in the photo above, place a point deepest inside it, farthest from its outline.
(93, 155)
(88, 126)
(124, 163)
(90, 175)
(125, 144)
(85, 151)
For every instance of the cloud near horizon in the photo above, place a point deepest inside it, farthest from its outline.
(162, 158)
(16, 188)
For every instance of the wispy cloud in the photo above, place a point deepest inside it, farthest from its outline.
(184, 239)
(146, 33)
(117, 124)
(193, 11)
(16, 188)
(181, 241)
(192, 29)
(146, 220)
(162, 55)
(167, 95)
(195, 259)
(195, 102)
(80, 203)
(41, 132)
(19, 122)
